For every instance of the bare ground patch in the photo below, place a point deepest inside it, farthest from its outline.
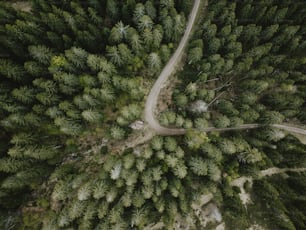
(22, 6)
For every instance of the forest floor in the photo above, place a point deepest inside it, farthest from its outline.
(207, 211)
(138, 137)
(256, 227)
(165, 96)
(240, 182)
(221, 226)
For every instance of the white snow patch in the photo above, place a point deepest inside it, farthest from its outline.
(209, 213)
(137, 151)
(244, 196)
(255, 227)
(221, 226)
(115, 172)
(137, 125)
(199, 106)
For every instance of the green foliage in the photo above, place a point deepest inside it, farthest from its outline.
(41, 53)
(74, 74)
(11, 70)
(222, 121)
(195, 139)
(198, 166)
(117, 133)
(13, 165)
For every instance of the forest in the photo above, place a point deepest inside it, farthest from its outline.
(74, 79)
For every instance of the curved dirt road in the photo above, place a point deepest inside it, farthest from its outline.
(168, 70)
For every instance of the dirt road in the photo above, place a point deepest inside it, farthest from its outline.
(168, 70)
(287, 127)
(290, 128)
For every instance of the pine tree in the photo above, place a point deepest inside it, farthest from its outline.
(269, 31)
(13, 165)
(115, 55)
(24, 94)
(147, 37)
(92, 116)
(198, 166)
(34, 68)
(168, 25)
(145, 22)
(117, 133)
(84, 192)
(157, 36)
(11, 70)
(60, 191)
(179, 26)
(134, 40)
(195, 55)
(76, 209)
(154, 63)
(77, 57)
(150, 10)
(119, 32)
(112, 9)
(222, 121)
(41, 54)
(272, 117)
(227, 146)
(157, 143)
(180, 170)
(68, 126)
